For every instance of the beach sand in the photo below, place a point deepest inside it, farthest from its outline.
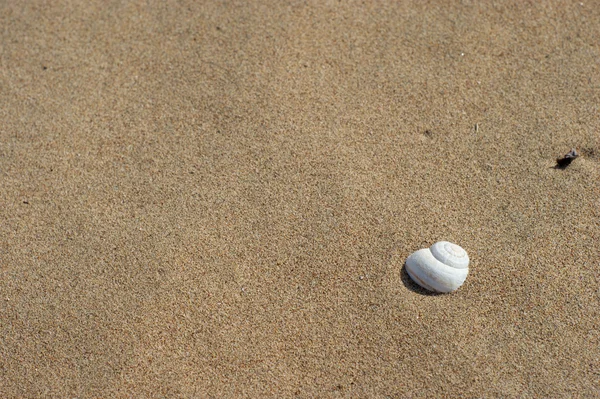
(216, 199)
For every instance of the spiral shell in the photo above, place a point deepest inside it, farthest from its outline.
(443, 267)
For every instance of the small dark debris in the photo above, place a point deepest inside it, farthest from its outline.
(562, 163)
(218, 28)
(26, 202)
(44, 67)
(428, 133)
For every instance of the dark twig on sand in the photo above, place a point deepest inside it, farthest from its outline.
(565, 161)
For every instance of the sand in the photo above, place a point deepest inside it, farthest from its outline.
(215, 199)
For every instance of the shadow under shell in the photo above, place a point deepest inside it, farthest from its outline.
(413, 286)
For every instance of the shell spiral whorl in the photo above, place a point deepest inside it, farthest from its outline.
(443, 267)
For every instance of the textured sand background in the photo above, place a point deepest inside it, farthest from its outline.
(215, 199)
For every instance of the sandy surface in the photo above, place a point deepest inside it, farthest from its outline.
(216, 199)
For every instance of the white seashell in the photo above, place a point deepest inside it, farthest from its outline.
(443, 267)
